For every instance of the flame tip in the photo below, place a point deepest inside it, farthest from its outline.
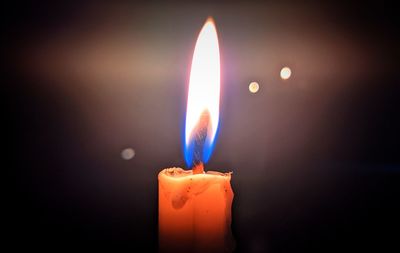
(210, 19)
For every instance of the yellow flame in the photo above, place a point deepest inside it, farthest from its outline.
(204, 83)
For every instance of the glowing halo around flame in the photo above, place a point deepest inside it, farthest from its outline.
(204, 94)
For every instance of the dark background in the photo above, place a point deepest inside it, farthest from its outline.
(315, 159)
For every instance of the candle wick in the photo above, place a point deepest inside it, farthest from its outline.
(198, 168)
(200, 137)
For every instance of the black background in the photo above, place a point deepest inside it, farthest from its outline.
(315, 159)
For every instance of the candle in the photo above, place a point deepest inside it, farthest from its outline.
(194, 211)
(194, 205)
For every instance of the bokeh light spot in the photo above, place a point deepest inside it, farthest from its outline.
(254, 87)
(286, 72)
(127, 153)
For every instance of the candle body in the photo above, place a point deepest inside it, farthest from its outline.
(194, 211)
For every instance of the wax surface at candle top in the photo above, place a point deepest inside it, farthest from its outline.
(180, 185)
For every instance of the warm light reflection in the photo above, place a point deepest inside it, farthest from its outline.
(202, 114)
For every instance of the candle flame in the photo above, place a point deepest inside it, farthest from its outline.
(202, 113)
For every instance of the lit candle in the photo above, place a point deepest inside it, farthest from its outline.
(195, 206)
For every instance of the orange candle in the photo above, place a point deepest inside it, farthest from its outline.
(195, 206)
(194, 211)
